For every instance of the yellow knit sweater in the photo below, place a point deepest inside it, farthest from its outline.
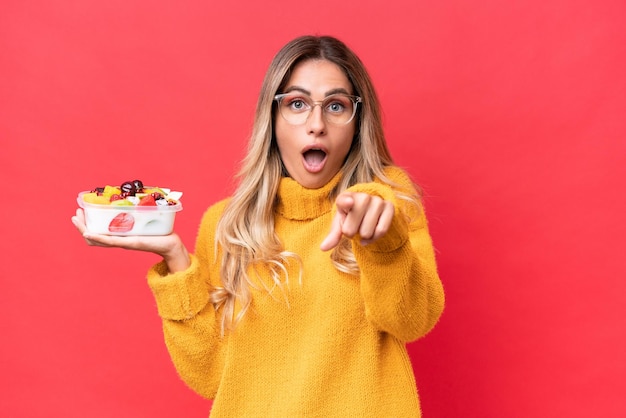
(335, 346)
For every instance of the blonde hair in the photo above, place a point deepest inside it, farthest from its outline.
(245, 233)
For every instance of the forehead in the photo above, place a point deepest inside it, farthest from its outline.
(318, 77)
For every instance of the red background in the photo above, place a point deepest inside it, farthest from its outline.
(510, 114)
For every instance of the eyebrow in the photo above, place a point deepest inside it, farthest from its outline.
(308, 93)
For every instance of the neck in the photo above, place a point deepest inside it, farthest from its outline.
(298, 202)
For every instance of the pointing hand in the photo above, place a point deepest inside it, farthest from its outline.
(359, 213)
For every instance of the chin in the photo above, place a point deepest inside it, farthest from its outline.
(314, 183)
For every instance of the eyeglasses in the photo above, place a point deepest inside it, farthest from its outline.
(338, 109)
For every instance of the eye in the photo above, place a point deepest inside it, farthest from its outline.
(337, 105)
(296, 104)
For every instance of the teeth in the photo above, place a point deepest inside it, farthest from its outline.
(314, 150)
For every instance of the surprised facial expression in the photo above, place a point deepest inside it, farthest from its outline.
(314, 151)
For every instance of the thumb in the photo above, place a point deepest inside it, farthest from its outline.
(334, 236)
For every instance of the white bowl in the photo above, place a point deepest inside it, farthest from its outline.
(129, 220)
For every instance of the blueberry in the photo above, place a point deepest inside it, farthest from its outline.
(128, 187)
(138, 185)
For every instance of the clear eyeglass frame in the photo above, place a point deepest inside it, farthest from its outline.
(299, 118)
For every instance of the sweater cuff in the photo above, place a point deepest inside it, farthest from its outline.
(180, 295)
(397, 234)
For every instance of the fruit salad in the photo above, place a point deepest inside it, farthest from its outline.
(130, 209)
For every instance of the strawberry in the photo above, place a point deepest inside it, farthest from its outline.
(147, 200)
(123, 222)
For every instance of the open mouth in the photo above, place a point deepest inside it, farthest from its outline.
(314, 159)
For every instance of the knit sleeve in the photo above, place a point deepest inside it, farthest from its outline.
(401, 288)
(190, 326)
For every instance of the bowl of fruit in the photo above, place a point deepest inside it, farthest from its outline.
(130, 209)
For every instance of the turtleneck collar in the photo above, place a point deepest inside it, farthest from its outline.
(299, 203)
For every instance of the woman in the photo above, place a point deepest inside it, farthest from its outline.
(306, 284)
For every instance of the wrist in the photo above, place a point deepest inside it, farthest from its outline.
(177, 258)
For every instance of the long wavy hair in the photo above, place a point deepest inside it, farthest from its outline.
(245, 233)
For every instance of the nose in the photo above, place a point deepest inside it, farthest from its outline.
(315, 121)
